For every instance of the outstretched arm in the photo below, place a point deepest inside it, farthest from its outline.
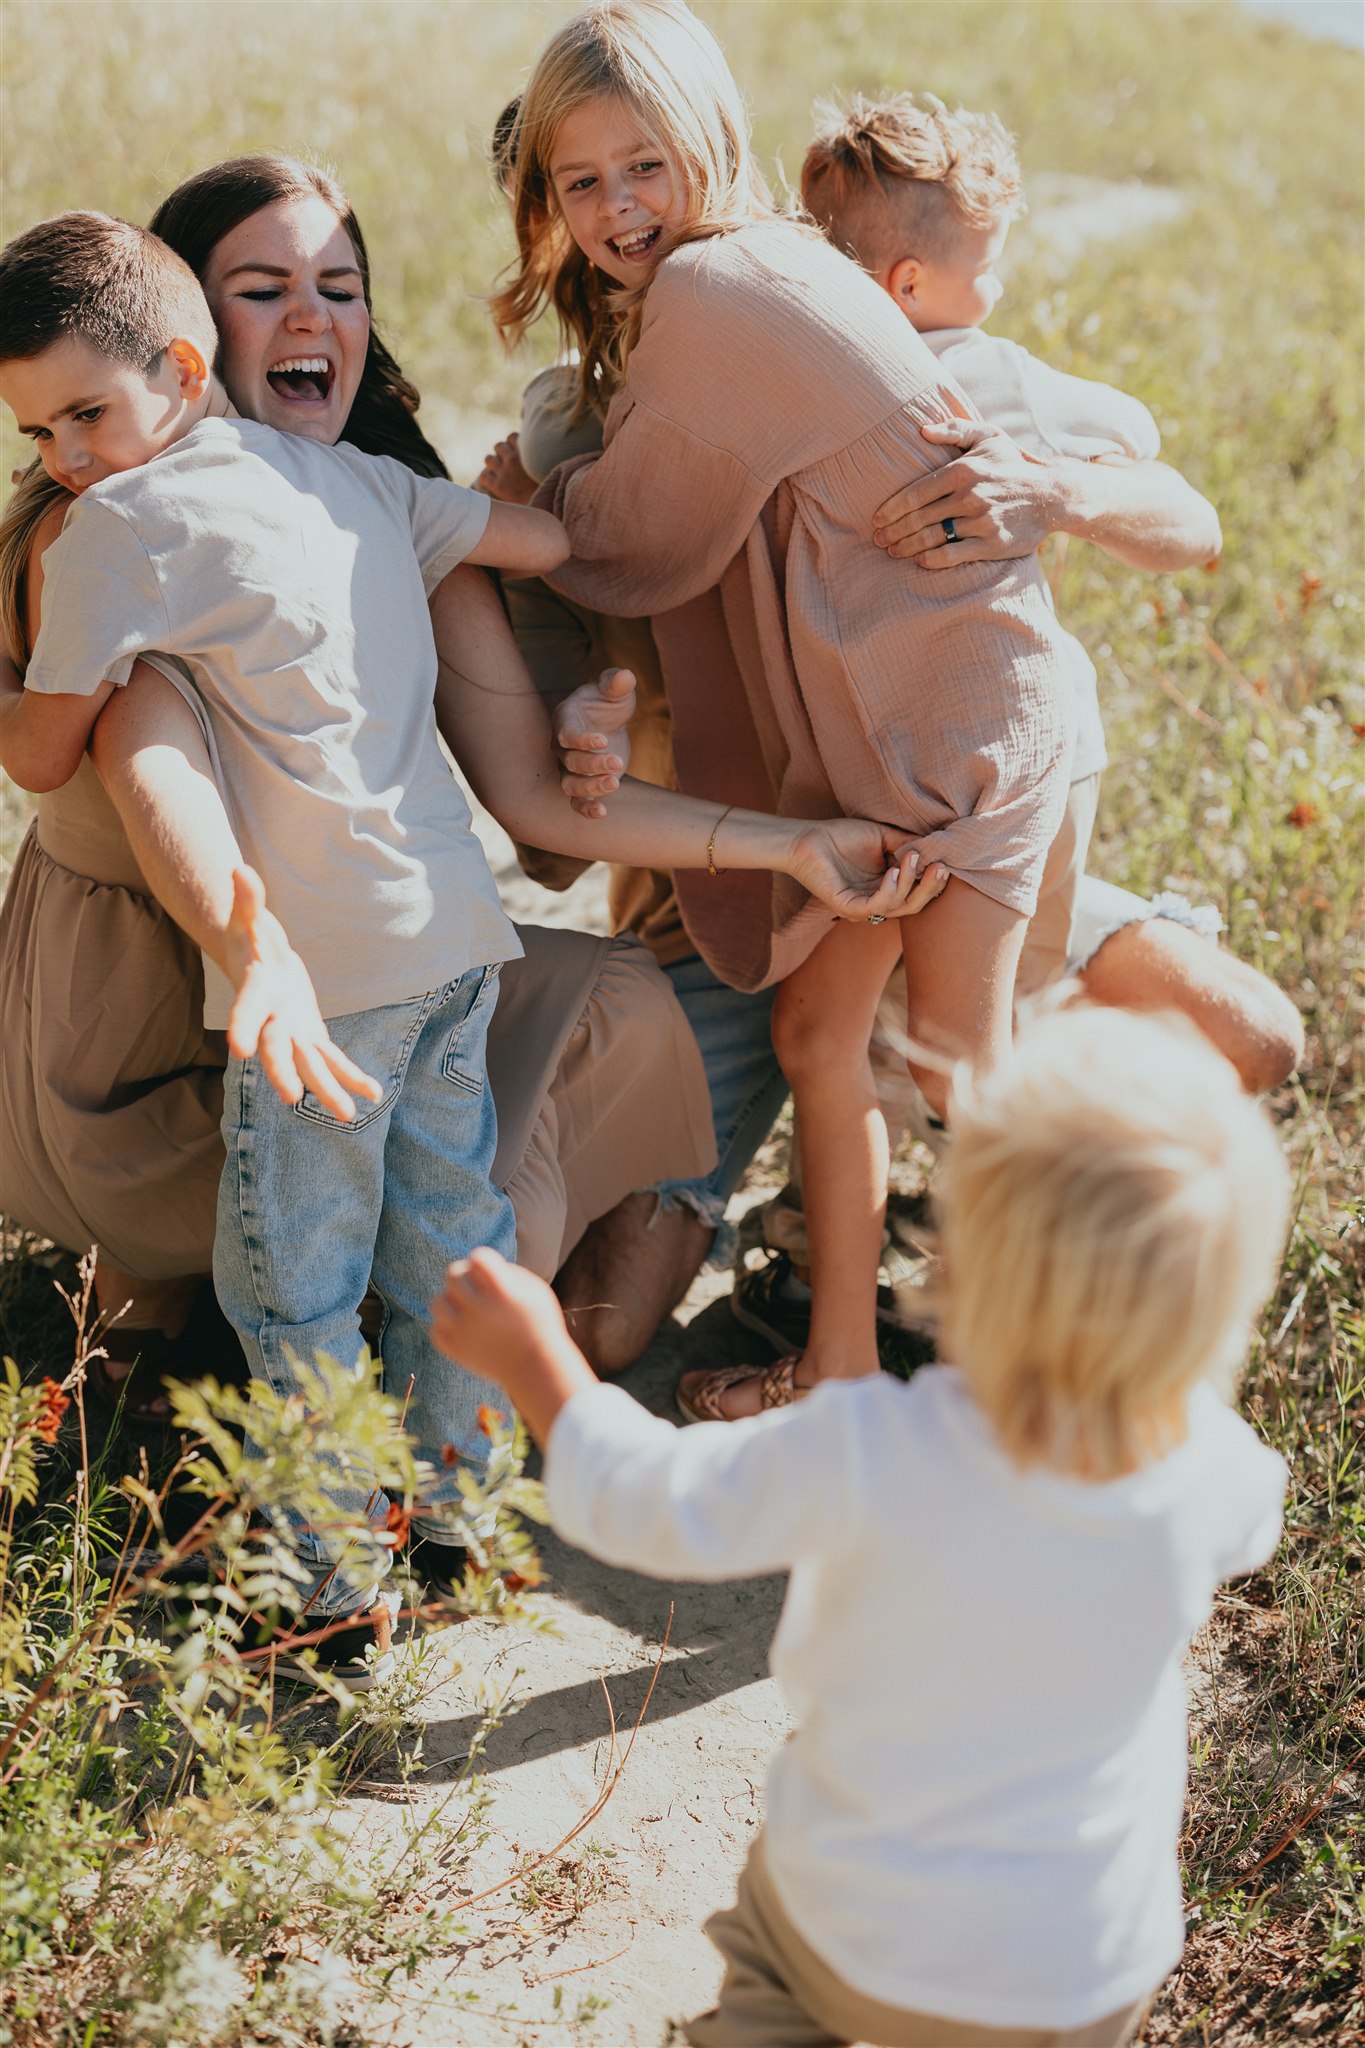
(152, 757)
(1004, 503)
(494, 722)
(627, 1487)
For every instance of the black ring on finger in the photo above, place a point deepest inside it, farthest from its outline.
(950, 531)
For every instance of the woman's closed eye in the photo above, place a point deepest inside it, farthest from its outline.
(264, 292)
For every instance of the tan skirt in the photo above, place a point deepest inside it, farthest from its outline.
(111, 1088)
(627, 1102)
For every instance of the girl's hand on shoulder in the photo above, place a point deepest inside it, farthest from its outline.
(1001, 502)
(862, 870)
(502, 475)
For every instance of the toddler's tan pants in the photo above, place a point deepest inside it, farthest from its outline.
(778, 1994)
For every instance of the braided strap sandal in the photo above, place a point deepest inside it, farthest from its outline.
(699, 1393)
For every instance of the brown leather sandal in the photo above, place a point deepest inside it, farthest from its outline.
(699, 1393)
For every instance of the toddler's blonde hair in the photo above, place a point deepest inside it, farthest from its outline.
(902, 177)
(661, 62)
(1113, 1212)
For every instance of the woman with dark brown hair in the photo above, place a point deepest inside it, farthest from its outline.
(110, 1086)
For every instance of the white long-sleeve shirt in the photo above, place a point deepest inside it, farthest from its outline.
(1048, 412)
(978, 1813)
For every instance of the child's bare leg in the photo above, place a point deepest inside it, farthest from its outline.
(822, 1023)
(1157, 964)
(961, 955)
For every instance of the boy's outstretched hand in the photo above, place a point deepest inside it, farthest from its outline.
(590, 729)
(503, 1323)
(276, 1013)
(864, 872)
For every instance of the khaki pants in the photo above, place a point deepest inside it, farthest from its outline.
(778, 1994)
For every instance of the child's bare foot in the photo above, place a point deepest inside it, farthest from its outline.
(502, 475)
(503, 1323)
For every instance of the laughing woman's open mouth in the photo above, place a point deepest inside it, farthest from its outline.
(302, 379)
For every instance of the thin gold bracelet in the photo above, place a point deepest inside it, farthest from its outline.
(711, 867)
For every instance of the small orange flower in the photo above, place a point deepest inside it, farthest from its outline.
(54, 1404)
(489, 1420)
(397, 1526)
(1303, 814)
(1359, 729)
(449, 1455)
(516, 1583)
(1308, 589)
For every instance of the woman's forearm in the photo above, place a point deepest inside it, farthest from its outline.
(494, 721)
(151, 756)
(647, 827)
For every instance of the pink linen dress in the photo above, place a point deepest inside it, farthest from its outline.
(772, 402)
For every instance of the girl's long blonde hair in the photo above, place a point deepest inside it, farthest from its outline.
(658, 60)
(32, 499)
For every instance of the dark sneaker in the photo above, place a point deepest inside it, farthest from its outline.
(440, 1567)
(761, 1302)
(354, 1650)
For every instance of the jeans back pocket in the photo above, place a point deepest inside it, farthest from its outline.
(465, 1060)
(380, 1042)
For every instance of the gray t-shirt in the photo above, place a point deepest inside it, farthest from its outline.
(1048, 412)
(289, 581)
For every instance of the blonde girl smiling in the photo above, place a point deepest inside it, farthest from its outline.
(766, 398)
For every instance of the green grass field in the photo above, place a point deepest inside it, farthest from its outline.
(1233, 698)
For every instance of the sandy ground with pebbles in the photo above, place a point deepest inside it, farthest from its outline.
(610, 1950)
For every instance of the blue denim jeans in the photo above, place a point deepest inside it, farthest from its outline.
(734, 1033)
(310, 1208)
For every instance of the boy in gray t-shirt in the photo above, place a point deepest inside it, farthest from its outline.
(284, 585)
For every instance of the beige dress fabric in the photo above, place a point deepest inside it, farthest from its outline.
(772, 403)
(111, 1087)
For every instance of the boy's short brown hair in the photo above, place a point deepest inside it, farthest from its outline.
(103, 281)
(901, 176)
